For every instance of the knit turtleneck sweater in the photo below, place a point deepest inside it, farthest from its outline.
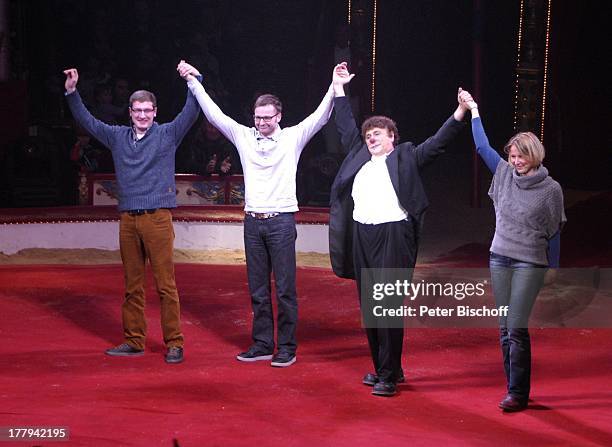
(528, 212)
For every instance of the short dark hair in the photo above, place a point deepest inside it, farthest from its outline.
(382, 122)
(143, 96)
(268, 99)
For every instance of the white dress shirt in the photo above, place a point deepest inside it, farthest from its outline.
(375, 199)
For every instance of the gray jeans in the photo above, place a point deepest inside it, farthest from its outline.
(516, 284)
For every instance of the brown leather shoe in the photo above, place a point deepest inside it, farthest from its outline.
(512, 404)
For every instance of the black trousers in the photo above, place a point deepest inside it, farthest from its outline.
(388, 245)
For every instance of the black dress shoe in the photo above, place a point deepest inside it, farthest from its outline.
(384, 389)
(174, 354)
(511, 404)
(371, 379)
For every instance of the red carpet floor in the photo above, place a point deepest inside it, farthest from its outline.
(56, 321)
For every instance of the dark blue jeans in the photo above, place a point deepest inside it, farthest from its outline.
(270, 247)
(516, 284)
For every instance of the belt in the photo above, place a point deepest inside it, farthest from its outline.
(261, 215)
(141, 212)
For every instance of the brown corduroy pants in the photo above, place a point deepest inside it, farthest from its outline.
(142, 237)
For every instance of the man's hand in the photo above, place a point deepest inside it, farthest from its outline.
(465, 100)
(341, 75)
(187, 71)
(226, 165)
(72, 77)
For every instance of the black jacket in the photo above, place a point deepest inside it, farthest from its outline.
(404, 165)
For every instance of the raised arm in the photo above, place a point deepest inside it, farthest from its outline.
(213, 113)
(345, 122)
(484, 149)
(317, 119)
(96, 128)
(181, 124)
(435, 145)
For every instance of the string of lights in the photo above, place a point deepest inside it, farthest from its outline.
(373, 97)
(518, 64)
(545, 70)
(349, 6)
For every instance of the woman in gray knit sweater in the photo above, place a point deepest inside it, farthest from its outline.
(528, 218)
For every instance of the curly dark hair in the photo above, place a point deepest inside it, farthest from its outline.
(382, 122)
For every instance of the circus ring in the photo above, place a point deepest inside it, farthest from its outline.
(208, 217)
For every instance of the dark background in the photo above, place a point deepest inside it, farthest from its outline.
(424, 52)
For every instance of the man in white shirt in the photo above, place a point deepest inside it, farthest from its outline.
(377, 203)
(269, 156)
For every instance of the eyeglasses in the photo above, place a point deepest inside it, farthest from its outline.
(265, 119)
(139, 111)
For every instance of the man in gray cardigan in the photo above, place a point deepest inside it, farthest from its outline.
(143, 155)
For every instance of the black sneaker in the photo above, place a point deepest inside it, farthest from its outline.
(254, 354)
(283, 359)
(371, 379)
(125, 350)
(174, 354)
(384, 389)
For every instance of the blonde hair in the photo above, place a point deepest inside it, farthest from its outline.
(528, 145)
